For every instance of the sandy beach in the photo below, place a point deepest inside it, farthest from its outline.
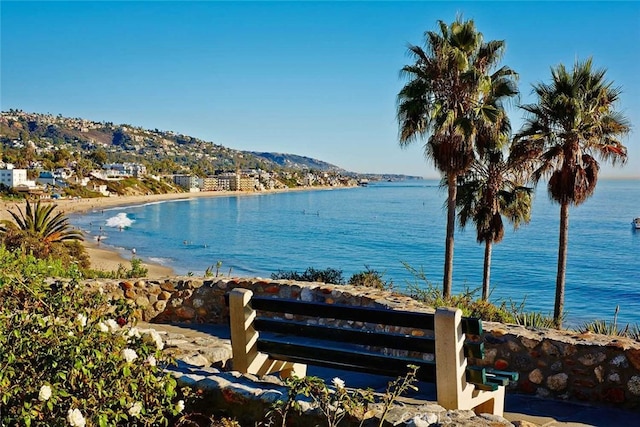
(104, 258)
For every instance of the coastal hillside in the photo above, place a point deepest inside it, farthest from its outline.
(159, 149)
(296, 162)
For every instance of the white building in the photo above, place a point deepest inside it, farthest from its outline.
(13, 177)
(189, 182)
(125, 169)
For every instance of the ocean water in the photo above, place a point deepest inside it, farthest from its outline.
(385, 226)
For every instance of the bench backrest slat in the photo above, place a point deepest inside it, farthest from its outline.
(383, 316)
(345, 359)
(348, 335)
(344, 312)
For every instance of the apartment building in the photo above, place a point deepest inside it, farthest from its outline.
(187, 181)
(13, 177)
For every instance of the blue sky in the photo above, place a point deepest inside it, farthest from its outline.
(318, 79)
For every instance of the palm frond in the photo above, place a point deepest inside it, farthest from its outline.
(40, 222)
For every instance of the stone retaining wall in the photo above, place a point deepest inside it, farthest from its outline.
(555, 364)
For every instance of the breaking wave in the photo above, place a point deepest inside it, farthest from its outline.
(119, 221)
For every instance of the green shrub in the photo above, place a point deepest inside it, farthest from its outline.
(70, 358)
(469, 303)
(336, 403)
(209, 271)
(371, 279)
(31, 266)
(329, 275)
(136, 270)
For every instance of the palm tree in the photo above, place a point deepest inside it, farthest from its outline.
(448, 93)
(38, 223)
(492, 189)
(573, 120)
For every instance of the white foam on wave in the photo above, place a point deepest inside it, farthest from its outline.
(119, 221)
(159, 260)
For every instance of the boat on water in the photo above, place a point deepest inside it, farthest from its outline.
(636, 223)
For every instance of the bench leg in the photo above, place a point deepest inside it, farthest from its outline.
(244, 341)
(452, 388)
(494, 405)
(294, 369)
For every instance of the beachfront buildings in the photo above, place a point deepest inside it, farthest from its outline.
(124, 169)
(215, 183)
(11, 177)
(240, 182)
(54, 178)
(188, 182)
(228, 181)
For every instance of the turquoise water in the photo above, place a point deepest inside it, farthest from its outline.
(386, 224)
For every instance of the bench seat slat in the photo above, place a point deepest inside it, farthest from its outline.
(349, 359)
(354, 336)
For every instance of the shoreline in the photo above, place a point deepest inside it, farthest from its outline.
(108, 258)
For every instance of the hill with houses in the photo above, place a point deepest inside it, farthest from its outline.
(61, 151)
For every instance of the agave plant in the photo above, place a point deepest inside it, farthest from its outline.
(39, 223)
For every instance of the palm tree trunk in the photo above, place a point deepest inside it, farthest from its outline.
(452, 181)
(488, 247)
(563, 244)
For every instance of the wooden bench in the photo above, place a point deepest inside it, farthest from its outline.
(280, 340)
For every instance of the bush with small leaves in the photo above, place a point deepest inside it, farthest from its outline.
(333, 403)
(371, 279)
(72, 358)
(338, 402)
(329, 275)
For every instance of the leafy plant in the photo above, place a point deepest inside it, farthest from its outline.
(137, 269)
(396, 388)
(467, 301)
(72, 358)
(201, 420)
(329, 275)
(43, 233)
(333, 403)
(40, 221)
(534, 320)
(603, 327)
(209, 271)
(611, 328)
(282, 408)
(371, 279)
(337, 402)
(122, 272)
